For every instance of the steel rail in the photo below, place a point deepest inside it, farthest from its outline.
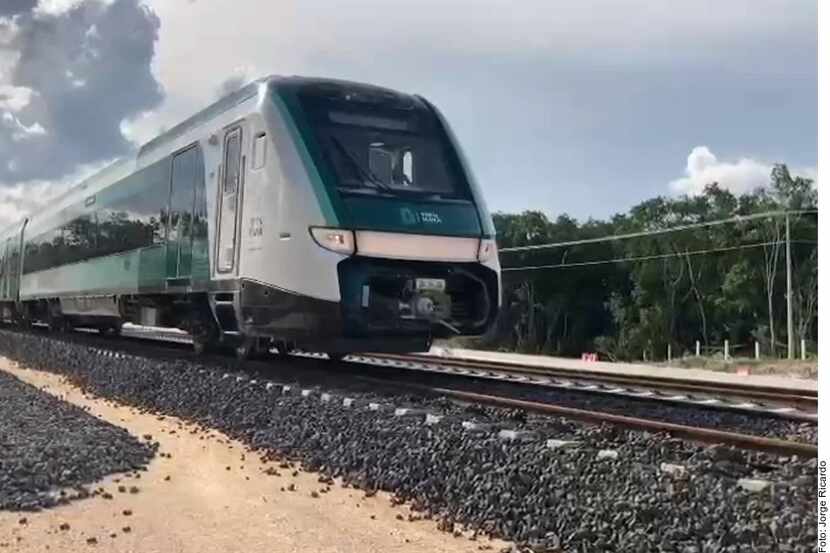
(444, 365)
(705, 435)
(801, 398)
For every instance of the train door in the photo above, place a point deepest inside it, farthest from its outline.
(15, 267)
(183, 188)
(4, 269)
(230, 197)
(18, 253)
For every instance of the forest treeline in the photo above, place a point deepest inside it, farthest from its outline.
(628, 298)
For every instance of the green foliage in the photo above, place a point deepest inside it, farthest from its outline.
(670, 293)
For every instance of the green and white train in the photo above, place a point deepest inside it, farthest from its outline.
(297, 213)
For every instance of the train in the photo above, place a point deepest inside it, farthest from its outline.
(295, 213)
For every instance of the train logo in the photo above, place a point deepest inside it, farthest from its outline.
(430, 217)
(410, 217)
(255, 228)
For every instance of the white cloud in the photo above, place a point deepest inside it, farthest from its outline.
(18, 131)
(15, 98)
(703, 168)
(739, 177)
(80, 69)
(21, 132)
(22, 199)
(56, 7)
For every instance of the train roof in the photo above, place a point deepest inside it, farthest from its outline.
(247, 92)
(152, 149)
(200, 118)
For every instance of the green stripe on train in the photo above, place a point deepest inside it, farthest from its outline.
(131, 272)
(290, 114)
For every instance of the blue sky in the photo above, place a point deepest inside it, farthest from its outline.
(586, 107)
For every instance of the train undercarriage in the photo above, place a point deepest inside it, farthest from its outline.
(386, 306)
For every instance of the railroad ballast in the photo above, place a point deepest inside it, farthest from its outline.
(296, 212)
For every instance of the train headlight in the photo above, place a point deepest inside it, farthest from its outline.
(334, 239)
(486, 250)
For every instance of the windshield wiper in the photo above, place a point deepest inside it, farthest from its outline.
(366, 174)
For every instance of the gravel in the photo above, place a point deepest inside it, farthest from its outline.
(577, 497)
(50, 450)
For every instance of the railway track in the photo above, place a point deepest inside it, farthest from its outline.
(397, 373)
(704, 435)
(769, 400)
(749, 399)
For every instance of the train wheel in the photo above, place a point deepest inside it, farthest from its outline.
(245, 349)
(24, 324)
(204, 335)
(115, 329)
(283, 348)
(200, 345)
(203, 342)
(56, 324)
(111, 330)
(204, 329)
(251, 347)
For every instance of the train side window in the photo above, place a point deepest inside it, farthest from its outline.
(406, 169)
(120, 223)
(380, 164)
(14, 260)
(258, 161)
(136, 218)
(229, 200)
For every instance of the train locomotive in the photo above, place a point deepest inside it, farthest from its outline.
(305, 213)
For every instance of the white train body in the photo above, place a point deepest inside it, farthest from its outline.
(321, 214)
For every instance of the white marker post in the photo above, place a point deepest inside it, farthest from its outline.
(668, 353)
(803, 349)
(726, 350)
(757, 351)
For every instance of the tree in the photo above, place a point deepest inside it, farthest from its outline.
(626, 297)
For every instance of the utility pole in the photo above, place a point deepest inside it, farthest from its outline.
(790, 337)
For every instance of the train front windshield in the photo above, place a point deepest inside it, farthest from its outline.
(384, 145)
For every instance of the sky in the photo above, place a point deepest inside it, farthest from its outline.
(585, 107)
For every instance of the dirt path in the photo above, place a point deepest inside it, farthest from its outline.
(205, 493)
